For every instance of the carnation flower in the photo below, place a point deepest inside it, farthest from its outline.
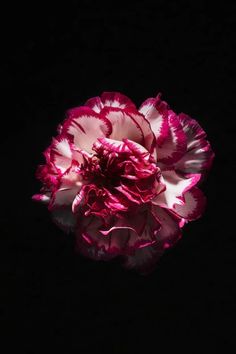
(123, 179)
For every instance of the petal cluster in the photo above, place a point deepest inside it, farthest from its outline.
(123, 179)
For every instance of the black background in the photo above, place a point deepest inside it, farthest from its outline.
(57, 57)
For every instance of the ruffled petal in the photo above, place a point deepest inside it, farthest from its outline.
(89, 231)
(109, 99)
(145, 259)
(85, 126)
(70, 184)
(95, 104)
(174, 145)
(156, 112)
(121, 235)
(169, 232)
(199, 155)
(149, 140)
(116, 99)
(176, 186)
(194, 205)
(123, 125)
(62, 153)
(112, 145)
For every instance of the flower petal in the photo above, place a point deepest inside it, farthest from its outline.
(156, 112)
(144, 259)
(169, 232)
(116, 99)
(109, 99)
(174, 146)
(44, 198)
(64, 218)
(143, 123)
(176, 186)
(112, 145)
(122, 235)
(85, 126)
(199, 155)
(70, 185)
(91, 251)
(89, 231)
(141, 228)
(95, 104)
(62, 153)
(194, 205)
(123, 125)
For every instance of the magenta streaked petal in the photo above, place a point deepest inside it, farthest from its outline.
(88, 231)
(141, 228)
(199, 155)
(137, 149)
(132, 197)
(144, 259)
(62, 153)
(85, 126)
(194, 205)
(95, 104)
(116, 99)
(169, 232)
(109, 99)
(156, 112)
(123, 125)
(149, 140)
(176, 186)
(124, 236)
(112, 145)
(174, 146)
(70, 185)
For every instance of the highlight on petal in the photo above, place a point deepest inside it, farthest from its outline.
(85, 126)
(199, 155)
(176, 186)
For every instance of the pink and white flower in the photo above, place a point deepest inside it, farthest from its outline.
(123, 179)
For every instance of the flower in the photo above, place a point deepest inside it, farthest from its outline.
(125, 180)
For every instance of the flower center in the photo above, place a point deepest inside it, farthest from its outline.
(119, 175)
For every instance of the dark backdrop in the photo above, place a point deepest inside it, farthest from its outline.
(56, 58)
